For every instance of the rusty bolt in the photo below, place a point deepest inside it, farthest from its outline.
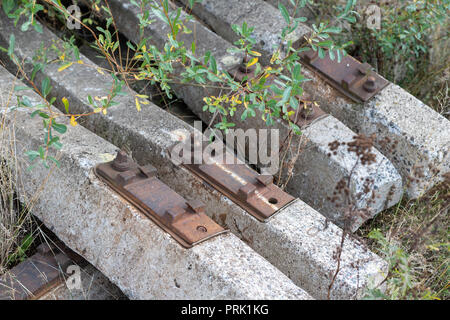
(121, 162)
(243, 67)
(370, 85)
(202, 229)
(307, 113)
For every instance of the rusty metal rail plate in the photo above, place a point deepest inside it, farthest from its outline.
(38, 274)
(352, 78)
(184, 220)
(255, 193)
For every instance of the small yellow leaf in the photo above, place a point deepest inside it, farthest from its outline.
(138, 105)
(143, 96)
(66, 104)
(65, 66)
(107, 157)
(97, 110)
(80, 62)
(274, 56)
(100, 71)
(186, 30)
(252, 62)
(73, 122)
(255, 53)
(104, 111)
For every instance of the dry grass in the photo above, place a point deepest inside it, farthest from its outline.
(17, 230)
(420, 228)
(11, 220)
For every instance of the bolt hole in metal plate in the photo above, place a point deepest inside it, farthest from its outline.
(184, 220)
(354, 79)
(255, 193)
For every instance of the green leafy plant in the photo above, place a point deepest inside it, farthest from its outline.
(403, 38)
(401, 48)
(402, 279)
(280, 98)
(21, 252)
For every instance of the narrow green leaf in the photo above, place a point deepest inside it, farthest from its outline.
(61, 128)
(12, 41)
(284, 12)
(46, 86)
(213, 64)
(32, 155)
(21, 88)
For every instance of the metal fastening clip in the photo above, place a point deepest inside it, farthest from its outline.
(184, 220)
(255, 193)
(352, 78)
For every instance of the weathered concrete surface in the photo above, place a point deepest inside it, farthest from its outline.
(94, 286)
(318, 244)
(151, 132)
(322, 173)
(126, 246)
(422, 136)
(220, 15)
(316, 184)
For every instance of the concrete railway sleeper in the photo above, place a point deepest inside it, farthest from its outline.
(184, 220)
(295, 240)
(141, 259)
(414, 137)
(316, 170)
